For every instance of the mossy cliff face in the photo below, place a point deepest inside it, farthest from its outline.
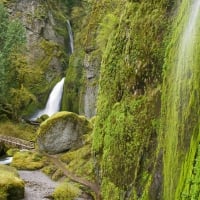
(47, 44)
(128, 162)
(82, 74)
(81, 85)
(92, 60)
(180, 107)
(100, 25)
(44, 40)
(62, 131)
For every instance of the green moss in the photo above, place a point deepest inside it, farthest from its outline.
(82, 121)
(33, 71)
(36, 67)
(42, 118)
(11, 152)
(128, 109)
(19, 130)
(66, 191)
(53, 172)
(84, 26)
(11, 186)
(112, 191)
(59, 10)
(180, 108)
(28, 160)
(189, 176)
(73, 82)
(40, 12)
(52, 50)
(80, 161)
(49, 170)
(57, 175)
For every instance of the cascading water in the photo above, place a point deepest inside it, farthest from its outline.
(6, 160)
(71, 40)
(180, 89)
(55, 97)
(54, 101)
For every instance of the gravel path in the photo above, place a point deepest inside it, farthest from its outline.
(37, 185)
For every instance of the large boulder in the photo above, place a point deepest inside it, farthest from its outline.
(62, 131)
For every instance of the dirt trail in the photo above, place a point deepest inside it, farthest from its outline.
(37, 185)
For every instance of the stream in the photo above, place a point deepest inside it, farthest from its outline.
(5, 160)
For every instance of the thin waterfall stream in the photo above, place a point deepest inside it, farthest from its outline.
(71, 40)
(178, 94)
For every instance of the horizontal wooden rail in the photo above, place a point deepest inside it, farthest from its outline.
(23, 144)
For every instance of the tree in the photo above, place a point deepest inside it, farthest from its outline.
(12, 40)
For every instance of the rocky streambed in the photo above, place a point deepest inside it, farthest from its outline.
(37, 185)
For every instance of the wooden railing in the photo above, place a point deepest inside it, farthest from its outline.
(16, 142)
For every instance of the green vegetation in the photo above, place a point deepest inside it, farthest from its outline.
(12, 151)
(27, 160)
(145, 143)
(54, 173)
(67, 191)
(12, 38)
(73, 83)
(84, 124)
(11, 186)
(23, 131)
(190, 186)
(127, 122)
(80, 161)
(180, 109)
(24, 67)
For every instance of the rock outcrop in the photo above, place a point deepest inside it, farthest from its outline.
(62, 132)
(46, 45)
(91, 67)
(43, 39)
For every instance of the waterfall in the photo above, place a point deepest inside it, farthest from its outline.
(54, 101)
(180, 89)
(71, 40)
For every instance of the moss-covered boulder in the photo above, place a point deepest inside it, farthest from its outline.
(27, 160)
(62, 131)
(66, 191)
(11, 186)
